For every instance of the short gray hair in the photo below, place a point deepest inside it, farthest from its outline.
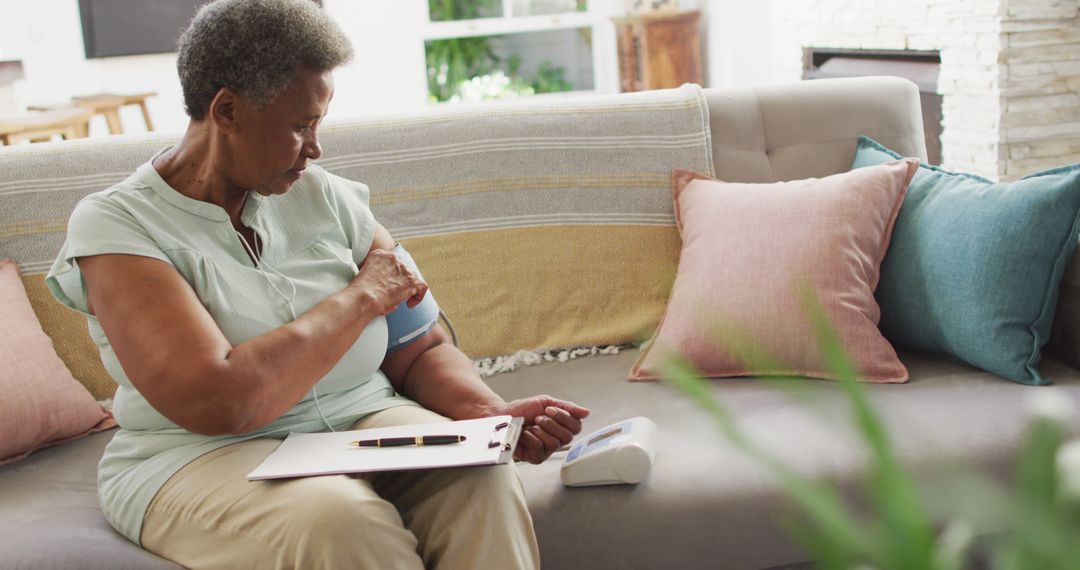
(254, 47)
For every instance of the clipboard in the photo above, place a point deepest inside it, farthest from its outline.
(488, 441)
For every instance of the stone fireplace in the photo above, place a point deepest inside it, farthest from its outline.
(1009, 70)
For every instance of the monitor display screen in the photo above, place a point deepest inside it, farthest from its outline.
(134, 27)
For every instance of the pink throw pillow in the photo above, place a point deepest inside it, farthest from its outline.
(41, 404)
(746, 250)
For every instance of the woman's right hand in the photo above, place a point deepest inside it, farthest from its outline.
(386, 281)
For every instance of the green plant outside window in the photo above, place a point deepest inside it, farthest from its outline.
(468, 68)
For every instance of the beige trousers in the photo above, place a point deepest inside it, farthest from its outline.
(209, 515)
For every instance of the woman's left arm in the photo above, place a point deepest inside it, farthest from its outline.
(437, 375)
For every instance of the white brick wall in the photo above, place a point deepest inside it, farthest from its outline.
(1010, 70)
(1040, 60)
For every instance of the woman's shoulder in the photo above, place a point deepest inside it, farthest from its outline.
(126, 195)
(339, 188)
(117, 203)
(321, 193)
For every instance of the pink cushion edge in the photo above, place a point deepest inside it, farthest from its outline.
(103, 418)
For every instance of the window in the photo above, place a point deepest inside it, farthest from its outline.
(493, 49)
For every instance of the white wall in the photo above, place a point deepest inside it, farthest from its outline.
(386, 77)
(737, 42)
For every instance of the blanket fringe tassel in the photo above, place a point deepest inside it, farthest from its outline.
(487, 367)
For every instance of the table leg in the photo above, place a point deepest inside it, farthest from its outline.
(112, 117)
(146, 116)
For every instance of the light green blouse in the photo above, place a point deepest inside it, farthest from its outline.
(311, 240)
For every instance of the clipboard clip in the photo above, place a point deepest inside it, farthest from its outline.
(495, 442)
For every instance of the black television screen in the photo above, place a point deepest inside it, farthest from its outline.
(132, 27)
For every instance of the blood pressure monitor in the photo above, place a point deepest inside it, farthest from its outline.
(619, 453)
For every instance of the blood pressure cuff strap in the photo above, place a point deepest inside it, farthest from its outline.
(406, 324)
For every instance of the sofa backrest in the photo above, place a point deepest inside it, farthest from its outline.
(808, 129)
(757, 135)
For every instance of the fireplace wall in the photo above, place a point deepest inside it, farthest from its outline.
(1009, 76)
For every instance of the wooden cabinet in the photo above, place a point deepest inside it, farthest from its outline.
(659, 50)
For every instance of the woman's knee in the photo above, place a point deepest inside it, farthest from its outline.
(478, 518)
(485, 492)
(492, 480)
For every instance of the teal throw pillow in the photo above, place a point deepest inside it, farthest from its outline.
(974, 266)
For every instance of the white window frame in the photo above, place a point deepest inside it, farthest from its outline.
(596, 16)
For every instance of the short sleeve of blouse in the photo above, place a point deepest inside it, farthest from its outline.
(350, 202)
(97, 226)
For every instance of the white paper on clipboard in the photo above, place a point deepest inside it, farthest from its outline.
(488, 441)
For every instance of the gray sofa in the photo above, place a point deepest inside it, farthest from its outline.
(704, 505)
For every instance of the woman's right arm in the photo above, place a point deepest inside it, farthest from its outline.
(177, 357)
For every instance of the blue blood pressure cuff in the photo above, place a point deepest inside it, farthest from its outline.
(406, 324)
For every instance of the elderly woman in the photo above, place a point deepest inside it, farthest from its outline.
(238, 293)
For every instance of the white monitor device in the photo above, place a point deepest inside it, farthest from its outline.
(622, 452)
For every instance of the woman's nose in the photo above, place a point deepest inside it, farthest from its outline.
(312, 148)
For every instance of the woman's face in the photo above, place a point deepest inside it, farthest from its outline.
(272, 145)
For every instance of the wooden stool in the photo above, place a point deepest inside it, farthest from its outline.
(68, 122)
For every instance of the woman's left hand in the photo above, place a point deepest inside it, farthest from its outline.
(549, 424)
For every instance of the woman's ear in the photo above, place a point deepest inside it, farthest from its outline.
(223, 109)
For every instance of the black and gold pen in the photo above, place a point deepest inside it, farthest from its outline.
(417, 441)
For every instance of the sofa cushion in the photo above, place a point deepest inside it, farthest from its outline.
(705, 505)
(750, 250)
(50, 518)
(42, 405)
(71, 338)
(974, 267)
